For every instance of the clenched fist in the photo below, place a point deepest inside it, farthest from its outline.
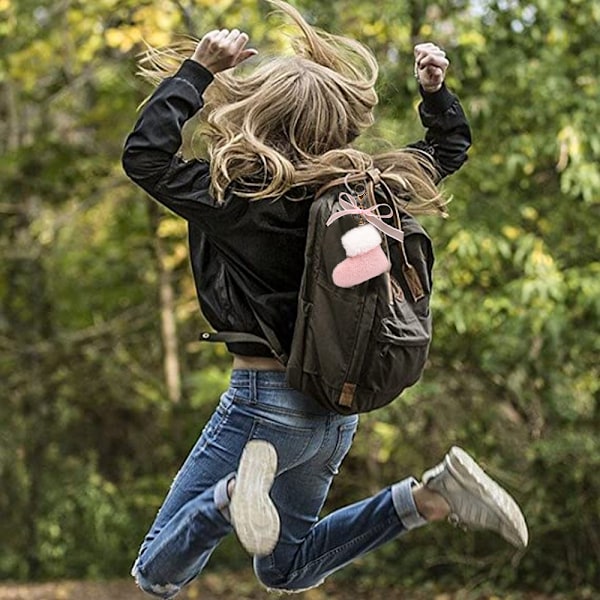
(430, 66)
(222, 49)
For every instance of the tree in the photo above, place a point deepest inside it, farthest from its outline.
(90, 433)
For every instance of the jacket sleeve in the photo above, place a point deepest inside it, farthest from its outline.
(448, 135)
(151, 153)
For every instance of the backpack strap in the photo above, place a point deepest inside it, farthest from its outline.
(413, 281)
(231, 336)
(271, 340)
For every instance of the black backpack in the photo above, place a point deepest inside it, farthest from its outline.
(357, 348)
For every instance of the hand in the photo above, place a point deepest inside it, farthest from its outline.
(222, 49)
(430, 66)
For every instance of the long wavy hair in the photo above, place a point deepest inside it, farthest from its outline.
(289, 123)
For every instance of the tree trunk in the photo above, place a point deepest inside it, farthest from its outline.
(171, 365)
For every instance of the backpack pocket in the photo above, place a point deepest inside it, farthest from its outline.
(403, 327)
(398, 352)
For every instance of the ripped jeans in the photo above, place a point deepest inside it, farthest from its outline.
(311, 443)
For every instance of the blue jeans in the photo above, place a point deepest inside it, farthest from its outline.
(311, 443)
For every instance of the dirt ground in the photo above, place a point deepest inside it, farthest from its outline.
(243, 586)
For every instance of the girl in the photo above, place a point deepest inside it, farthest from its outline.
(265, 461)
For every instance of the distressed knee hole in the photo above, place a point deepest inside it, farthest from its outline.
(165, 591)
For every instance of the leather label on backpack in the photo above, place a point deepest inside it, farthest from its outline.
(347, 396)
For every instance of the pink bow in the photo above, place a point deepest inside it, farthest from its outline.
(350, 207)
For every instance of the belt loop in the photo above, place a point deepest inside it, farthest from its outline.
(252, 381)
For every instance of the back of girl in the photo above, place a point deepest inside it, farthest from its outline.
(267, 136)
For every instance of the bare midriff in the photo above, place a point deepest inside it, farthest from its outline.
(256, 363)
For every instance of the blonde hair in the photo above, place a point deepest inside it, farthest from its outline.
(289, 122)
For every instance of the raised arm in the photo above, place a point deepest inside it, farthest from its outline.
(448, 135)
(150, 157)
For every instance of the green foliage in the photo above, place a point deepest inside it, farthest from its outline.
(88, 439)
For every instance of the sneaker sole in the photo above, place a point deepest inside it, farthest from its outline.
(253, 514)
(472, 477)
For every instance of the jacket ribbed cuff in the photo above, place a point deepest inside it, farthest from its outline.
(194, 73)
(437, 102)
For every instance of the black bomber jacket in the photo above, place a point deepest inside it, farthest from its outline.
(248, 256)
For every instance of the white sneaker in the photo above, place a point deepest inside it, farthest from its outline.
(475, 499)
(254, 516)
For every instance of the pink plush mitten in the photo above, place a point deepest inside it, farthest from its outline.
(365, 257)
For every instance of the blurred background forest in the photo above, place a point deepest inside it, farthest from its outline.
(103, 386)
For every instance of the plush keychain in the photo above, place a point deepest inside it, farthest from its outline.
(365, 257)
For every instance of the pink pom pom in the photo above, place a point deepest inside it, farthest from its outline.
(361, 239)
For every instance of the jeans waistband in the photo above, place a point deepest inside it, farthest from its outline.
(288, 398)
(260, 379)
